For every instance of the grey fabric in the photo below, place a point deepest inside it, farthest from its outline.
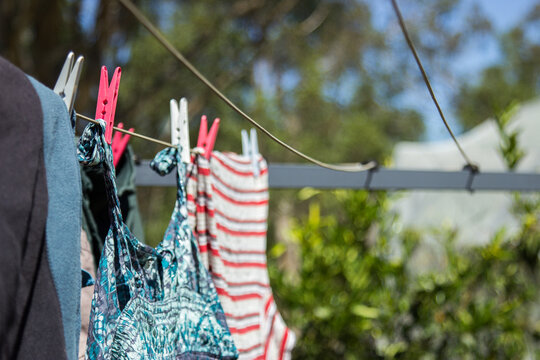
(30, 319)
(64, 211)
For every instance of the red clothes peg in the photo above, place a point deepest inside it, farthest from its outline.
(203, 132)
(119, 144)
(206, 140)
(107, 97)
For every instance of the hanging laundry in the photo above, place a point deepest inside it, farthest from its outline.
(228, 209)
(30, 313)
(64, 211)
(95, 208)
(151, 303)
(87, 292)
(201, 212)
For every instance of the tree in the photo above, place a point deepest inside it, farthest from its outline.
(515, 79)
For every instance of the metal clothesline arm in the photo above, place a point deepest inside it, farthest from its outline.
(293, 176)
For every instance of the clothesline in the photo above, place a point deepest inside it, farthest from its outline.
(357, 167)
(345, 167)
(144, 137)
(472, 166)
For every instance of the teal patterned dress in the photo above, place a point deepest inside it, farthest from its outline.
(151, 303)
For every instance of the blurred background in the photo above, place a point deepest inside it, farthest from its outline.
(356, 275)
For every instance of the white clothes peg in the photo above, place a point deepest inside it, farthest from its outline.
(250, 148)
(245, 143)
(180, 127)
(68, 81)
(255, 152)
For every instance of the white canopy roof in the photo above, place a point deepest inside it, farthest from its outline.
(476, 216)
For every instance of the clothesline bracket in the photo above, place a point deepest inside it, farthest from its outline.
(369, 176)
(473, 170)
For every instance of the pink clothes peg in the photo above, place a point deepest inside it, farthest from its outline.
(119, 144)
(211, 138)
(107, 97)
(203, 132)
(206, 140)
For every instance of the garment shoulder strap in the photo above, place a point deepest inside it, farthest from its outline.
(93, 150)
(163, 163)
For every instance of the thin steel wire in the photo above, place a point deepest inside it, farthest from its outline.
(148, 138)
(157, 34)
(428, 84)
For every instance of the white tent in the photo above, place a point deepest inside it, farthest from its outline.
(477, 216)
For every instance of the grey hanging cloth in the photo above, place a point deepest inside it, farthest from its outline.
(64, 211)
(96, 221)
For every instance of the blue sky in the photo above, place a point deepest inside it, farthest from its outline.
(506, 13)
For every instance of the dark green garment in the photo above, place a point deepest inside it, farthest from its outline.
(95, 208)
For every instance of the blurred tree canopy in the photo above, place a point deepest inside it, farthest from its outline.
(311, 71)
(516, 78)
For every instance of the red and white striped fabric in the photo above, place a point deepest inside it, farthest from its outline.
(228, 210)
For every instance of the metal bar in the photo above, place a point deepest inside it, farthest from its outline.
(390, 179)
(290, 176)
(295, 176)
(144, 176)
(506, 181)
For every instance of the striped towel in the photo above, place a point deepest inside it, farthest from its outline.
(228, 210)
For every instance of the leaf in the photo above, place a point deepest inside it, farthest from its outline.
(307, 193)
(278, 250)
(365, 311)
(322, 312)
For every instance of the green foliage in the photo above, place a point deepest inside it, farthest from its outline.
(355, 296)
(509, 148)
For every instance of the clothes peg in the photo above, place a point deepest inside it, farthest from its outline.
(206, 140)
(245, 143)
(119, 144)
(250, 148)
(180, 127)
(107, 97)
(211, 138)
(254, 152)
(203, 132)
(68, 81)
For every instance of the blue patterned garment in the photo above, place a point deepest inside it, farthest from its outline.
(151, 303)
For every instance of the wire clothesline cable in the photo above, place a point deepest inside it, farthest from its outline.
(148, 138)
(357, 167)
(428, 85)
